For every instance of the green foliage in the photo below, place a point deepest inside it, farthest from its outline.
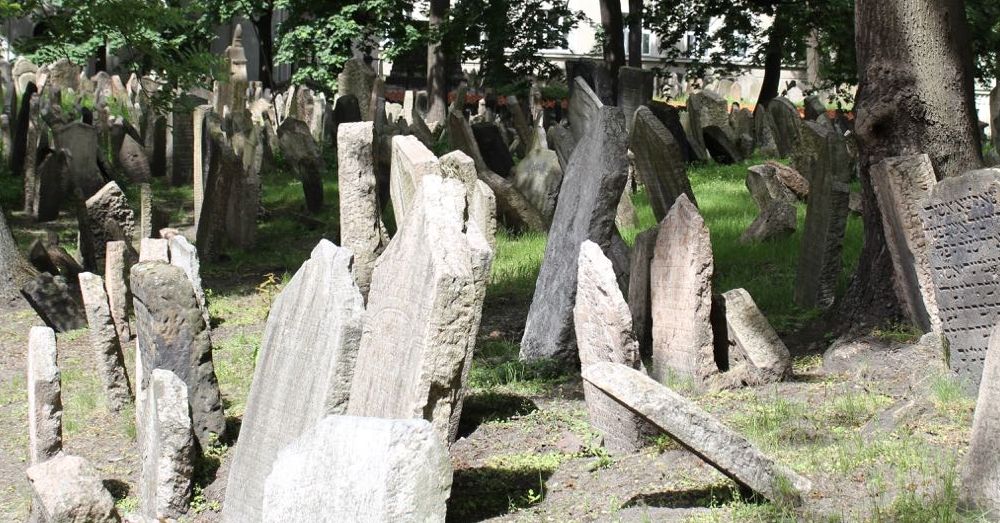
(506, 36)
(984, 28)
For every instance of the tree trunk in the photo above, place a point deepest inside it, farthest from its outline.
(772, 58)
(15, 271)
(265, 52)
(635, 33)
(914, 96)
(614, 35)
(437, 90)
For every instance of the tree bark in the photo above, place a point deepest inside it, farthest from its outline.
(437, 89)
(15, 271)
(265, 52)
(614, 35)
(772, 58)
(635, 33)
(914, 96)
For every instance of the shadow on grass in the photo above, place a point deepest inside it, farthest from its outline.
(711, 496)
(491, 406)
(487, 492)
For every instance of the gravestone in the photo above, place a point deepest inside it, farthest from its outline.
(765, 187)
(961, 218)
(764, 133)
(201, 156)
(495, 152)
(659, 163)
(776, 220)
(681, 296)
(182, 140)
(411, 162)
(361, 227)
(980, 472)
(482, 204)
(133, 160)
(721, 145)
(592, 186)
(310, 344)
(814, 107)
(538, 177)
(995, 117)
(697, 430)
(670, 117)
(522, 126)
(604, 334)
(184, 255)
(145, 211)
(639, 300)
(357, 79)
(563, 143)
(693, 137)
(596, 74)
(900, 183)
(791, 179)
(787, 124)
(50, 187)
(820, 253)
(44, 396)
(154, 249)
(110, 217)
(383, 470)
(79, 142)
(755, 353)
(416, 346)
(172, 335)
(116, 269)
(635, 89)
(55, 302)
(69, 489)
(303, 157)
(584, 109)
(167, 447)
(105, 342)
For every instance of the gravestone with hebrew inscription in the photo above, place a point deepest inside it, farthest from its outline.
(659, 162)
(635, 88)
(961, 219)
(361, 227)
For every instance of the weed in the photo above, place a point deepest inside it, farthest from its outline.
(897, 332)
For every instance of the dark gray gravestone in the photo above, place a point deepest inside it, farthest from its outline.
(659, 162)
(172, 335)
(720, 145)
(596, 74)
(962, 224)
(592, 186)
(56, 303)
(826, 220)
(584, 106)
(669, 116)
(787, 124)
(494, 150)
(635, 88)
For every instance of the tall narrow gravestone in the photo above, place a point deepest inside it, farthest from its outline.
(310, 344)
(44, 396)
(423, 312)
(981, 472)
(361, 228)
(105, 342)
(592, 186)
(961, 219)
(659, 162)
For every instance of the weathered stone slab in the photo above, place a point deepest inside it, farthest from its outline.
(603, 325)
(361, 227)
(133, 160)
(639, 300)
(482, 204)
(699, 432)
(765, 187)
(563, 143)
(69, 489)
(168, 448)
(659, 162)
(791, 178)
(814, 107)
(55, 302)
(105, 342)
(154, 249)
(694, 138)
(411, 162)
(681, 293)
(669, 116)
(538, 177)
(145, 211)
(787, 125)
(722, 145)
(584, 109)
(591, 190)
(50, 185)
(303, 156)
(383, 470)
(764, 132)
(491, 144)
(777, 220)
(172, 335)
(961, 218)
(44, 396)
(357, 79)
(981, 467)
(185, 256)
(756, 355)
(820, 253)
(416, 347)
(116, 268)
(900, 183)
(596, 74)
(79, 142)
(635, 89)
(110, 217)
(310, 344)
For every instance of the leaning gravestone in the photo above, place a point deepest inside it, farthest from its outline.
(563, 143)
(416, 347)
(596, 74)
(900, 183)
(722, 145)
(411, 162)
(681, 292)
(304, 158)
(820, 260)
(168, 448)
(110, 217)
(756, 355)
(699, 431)
(592, 187)
(604, 334)
(491, 144)
(382, 470)
(184, 255)
(44, 396)
(538, 177)
(639, 302)
(787, 125)
(310, 344)
(50, 187)
(361, 227)
(56, 303)
(981, 470)
(659, 162)
(105, 342)
(635, 89)
(79, 142)
(764, 132)
(68, 488)
(116, 269)
(172, 335)
(961, 218)
(584, 108)
(481, 202)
